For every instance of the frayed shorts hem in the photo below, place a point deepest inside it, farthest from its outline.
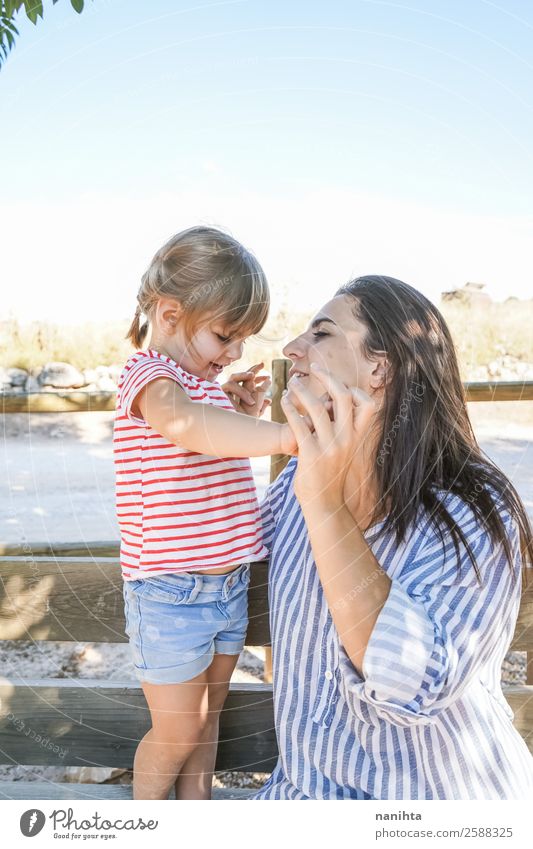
(188, 671)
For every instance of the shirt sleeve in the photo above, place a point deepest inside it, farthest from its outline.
(273, 501)
(437, 629)
(137, 375)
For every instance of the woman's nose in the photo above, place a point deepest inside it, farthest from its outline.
(294, 349)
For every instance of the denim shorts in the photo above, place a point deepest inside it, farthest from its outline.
(177, 622)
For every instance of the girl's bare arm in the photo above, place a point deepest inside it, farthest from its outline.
(207, 429)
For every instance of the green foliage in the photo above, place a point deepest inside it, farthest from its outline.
(32, 345)
(34, 11)
(481, 334)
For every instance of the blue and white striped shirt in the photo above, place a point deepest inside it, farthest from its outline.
(427, 720)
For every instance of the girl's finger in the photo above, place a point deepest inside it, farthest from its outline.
(240, 376)
(298, 426)
(239, 390)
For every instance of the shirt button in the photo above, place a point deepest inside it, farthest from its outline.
(328, 674)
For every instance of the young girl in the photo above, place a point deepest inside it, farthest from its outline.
(187, 506)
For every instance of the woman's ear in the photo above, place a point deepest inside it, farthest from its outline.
(167, 314)
(380, 374)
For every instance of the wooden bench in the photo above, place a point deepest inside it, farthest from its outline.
(74, 593)
(67, 722)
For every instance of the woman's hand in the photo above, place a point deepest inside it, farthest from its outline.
(247, 391)
(329, 440)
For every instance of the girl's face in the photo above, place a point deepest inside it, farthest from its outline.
(211, 351)
(334, 340)
(207, 354)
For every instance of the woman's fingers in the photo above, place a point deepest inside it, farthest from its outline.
(314, 408)
(343, 398)
(299, 427)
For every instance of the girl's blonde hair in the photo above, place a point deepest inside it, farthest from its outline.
(208, 273)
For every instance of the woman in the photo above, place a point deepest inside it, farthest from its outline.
(396, 551)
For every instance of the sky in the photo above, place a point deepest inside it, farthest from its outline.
(333, 139)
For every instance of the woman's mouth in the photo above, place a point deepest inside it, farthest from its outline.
(296, 372)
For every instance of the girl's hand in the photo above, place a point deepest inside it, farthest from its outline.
(328, 441)
(247, 390)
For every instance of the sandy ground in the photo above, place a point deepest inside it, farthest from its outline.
(56, 484)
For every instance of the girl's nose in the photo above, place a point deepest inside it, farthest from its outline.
(235, 349)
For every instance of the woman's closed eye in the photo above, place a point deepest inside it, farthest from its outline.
(318, 334)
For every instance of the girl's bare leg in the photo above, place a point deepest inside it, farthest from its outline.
(179, 715)
(196, 775)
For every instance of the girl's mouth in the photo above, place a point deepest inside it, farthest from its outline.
(216, 367)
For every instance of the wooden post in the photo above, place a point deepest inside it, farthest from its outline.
(280, 370)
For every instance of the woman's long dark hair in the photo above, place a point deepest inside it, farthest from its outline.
(427, 442)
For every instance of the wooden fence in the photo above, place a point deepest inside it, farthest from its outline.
(73, 592)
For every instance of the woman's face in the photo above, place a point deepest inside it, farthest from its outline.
(334, 340)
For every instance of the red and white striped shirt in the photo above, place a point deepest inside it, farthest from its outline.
(178, 510)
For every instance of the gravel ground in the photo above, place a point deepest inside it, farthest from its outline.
(57, 484)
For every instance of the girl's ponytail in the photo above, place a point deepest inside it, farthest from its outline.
(137, 332)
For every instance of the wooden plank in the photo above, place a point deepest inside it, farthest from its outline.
(499, 390)
(101, 792)
(523, 634)
(95, 723)
(520, 699)
(80, 598)
(99, 723)
(75, 401)
(100, 548)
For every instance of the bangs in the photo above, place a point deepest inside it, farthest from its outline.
(246, 320)
(240, 303)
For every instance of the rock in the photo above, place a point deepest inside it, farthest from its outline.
(32, 384)
(106, 384)
(4, 379)
(17, 376)
(8, 389)
(91, 774)
(90, 375)
(478, 373)
(61, 376)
